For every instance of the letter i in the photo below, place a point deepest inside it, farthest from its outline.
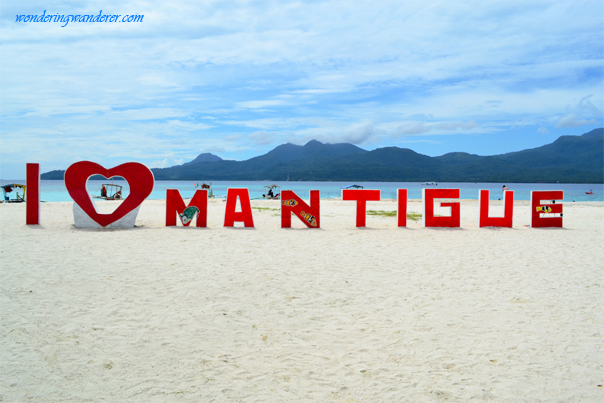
(32, 195)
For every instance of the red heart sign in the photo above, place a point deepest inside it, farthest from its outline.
(139, 177)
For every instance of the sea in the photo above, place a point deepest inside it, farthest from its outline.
(55, 191)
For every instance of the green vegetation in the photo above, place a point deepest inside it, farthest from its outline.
(414, 216)
(266, 209)
(382, 213)
(411, 216)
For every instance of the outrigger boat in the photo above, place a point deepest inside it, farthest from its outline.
(203, 185)
(110, 191)
(273, 193)
(353, 187)
(207, 187)
(6, 189)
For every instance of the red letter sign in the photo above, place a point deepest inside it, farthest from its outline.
(451, 221)
(32, 198)
(197, 206)
(537, 209)
(361, 196)
(401, 212)
(245, 215)
(506, 221)
(292, 203)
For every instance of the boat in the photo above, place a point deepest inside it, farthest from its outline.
(205, 186)
(273, 193)
(353, 187)
(109, 191)
(430, 184)
(590, 192)
(13, 187)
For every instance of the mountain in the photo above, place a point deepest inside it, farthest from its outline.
(261, 167)
(569, 159)
(205, 157)
(57, 174)
(311, 150)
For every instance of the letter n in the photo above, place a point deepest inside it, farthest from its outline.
(428, 196)
(508, 210)
(176, 206)
(361, 196)
(537, 209)
(292, 203)
(245, 215)
(32, 197)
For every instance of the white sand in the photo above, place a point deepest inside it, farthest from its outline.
(381, 314)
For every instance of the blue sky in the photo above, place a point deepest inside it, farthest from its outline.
(238, 78)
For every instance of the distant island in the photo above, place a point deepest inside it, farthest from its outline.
(569, 159)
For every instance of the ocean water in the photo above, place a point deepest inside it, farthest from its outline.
(54, 190)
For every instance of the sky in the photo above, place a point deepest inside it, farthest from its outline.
(238, 78)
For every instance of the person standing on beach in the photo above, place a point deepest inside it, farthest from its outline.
(503, 190)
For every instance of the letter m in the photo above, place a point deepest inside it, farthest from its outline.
(176, 206)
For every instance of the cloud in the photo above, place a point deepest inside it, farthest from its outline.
(411, 128)
(214, 149)
(417, 128)
(357, 134)
(268, 123)
(580, 114)
(261, 138)
(572, 120)
(159, 164)
(455, 125)
(587, 109)
(148, 113)
(583, 113)
(409, 68)
(332, 132)
(542, 130)
(188, 126)
(157, 81)
(260, 104)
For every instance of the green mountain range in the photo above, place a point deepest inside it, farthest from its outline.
(569, 159)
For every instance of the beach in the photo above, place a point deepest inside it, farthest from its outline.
(337, 314)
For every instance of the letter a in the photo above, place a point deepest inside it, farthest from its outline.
(245, 215)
